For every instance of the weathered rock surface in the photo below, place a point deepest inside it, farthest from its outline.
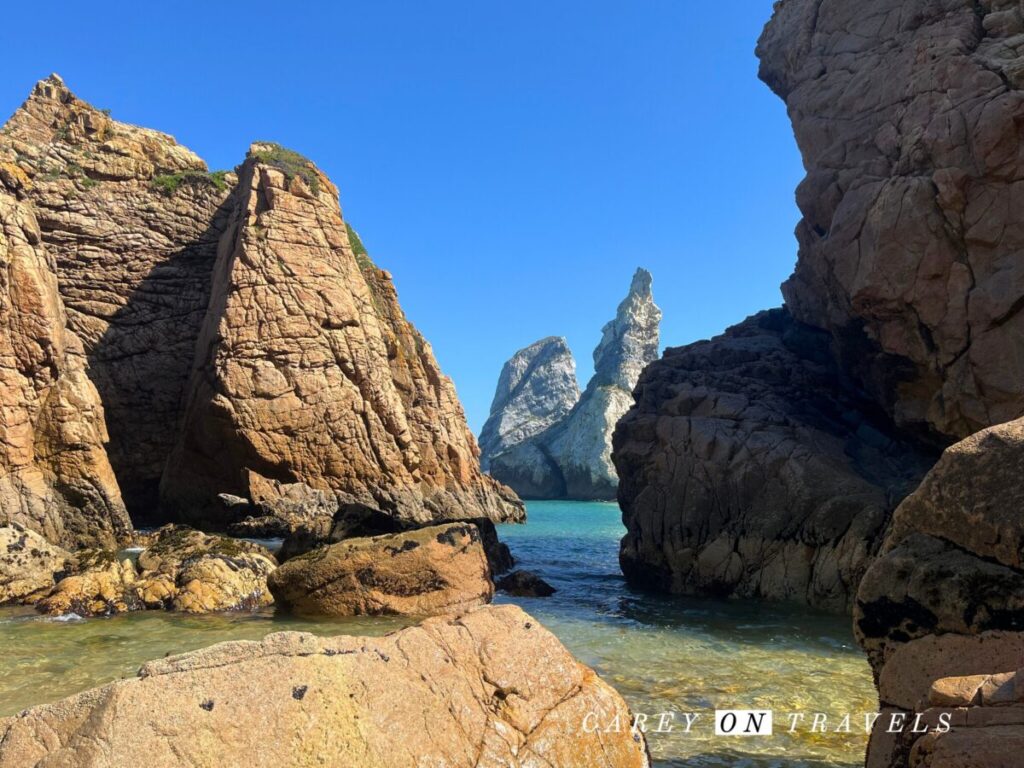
(946, 596)
(132, 220)
(572, 458)
(54, 475)
(29, 565)
(156, 256)
(493, 686)
(907, 115)
(536, 389)
(747, 469)
(181, 569)
(525, 584)
(437, 569)
(308, 372)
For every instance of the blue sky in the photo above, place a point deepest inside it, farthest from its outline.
(510, 163)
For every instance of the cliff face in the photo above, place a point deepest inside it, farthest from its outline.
(307, 370)
(907, 115)
(132, 220)
(153, 257)
(747, 469)
(572, 458)
(537, 388)
(54, 475)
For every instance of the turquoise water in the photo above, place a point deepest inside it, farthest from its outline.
(661, 653)
(689, 655)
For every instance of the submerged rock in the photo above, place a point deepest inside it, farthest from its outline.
(748, 470)
(430, 570)
(572, 458)
(493, 687)
(525, 584)
(29, 565)
(536, 389)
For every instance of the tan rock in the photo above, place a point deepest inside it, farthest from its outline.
(29, 565)
(222, 583)
(957, 691)
(999, 746)
(171, 545)
(54, 475)
(909, 672)
(311, 370)
(491, 688)
(426, 571)
(105, 586)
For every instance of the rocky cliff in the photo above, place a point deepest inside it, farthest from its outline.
(572, 458)
(128, 260)
(54, 475)
(536, 389)
(907, 115)
(759, 464)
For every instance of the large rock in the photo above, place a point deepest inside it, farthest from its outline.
(747, 469)
(907, 114)
(572, 458)
(491, 688)
(29, 565)
(156, 256)
(307, 370)
(55, 478)
(946, 596)
(537, 388)
(132, 220)
(437, 569)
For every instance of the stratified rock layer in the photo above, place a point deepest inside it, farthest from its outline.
(907, 114)
(747, 470)
(572, 458)
(307, 371)
(536, 389)
(491, 688)
(54, 475)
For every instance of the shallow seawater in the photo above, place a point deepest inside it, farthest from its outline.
(690, 655)
(662, 654)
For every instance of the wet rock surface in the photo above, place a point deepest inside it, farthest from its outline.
(29, 565)
(495, 687)
(525, 584)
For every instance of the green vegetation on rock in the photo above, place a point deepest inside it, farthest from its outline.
(168, 183)
(291, 162)
(362, 257)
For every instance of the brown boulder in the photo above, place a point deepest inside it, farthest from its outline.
(105, 585)
(430, 570)
(487, 689)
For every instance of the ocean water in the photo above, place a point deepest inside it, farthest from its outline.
(662, 654)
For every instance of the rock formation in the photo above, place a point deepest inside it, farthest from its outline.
(54, 475)
(946, 596)
(493, 686)
(437, 569)
(307, 370)
(536, 389)
(318, 382)
(747, 469)
(907, 116)
(572, 458)
(29, 565)
(770, 467)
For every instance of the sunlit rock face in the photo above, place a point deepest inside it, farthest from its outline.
(572, 458)
(127, 258)
(536, 389)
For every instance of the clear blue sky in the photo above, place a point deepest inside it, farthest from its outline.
(510, 163)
